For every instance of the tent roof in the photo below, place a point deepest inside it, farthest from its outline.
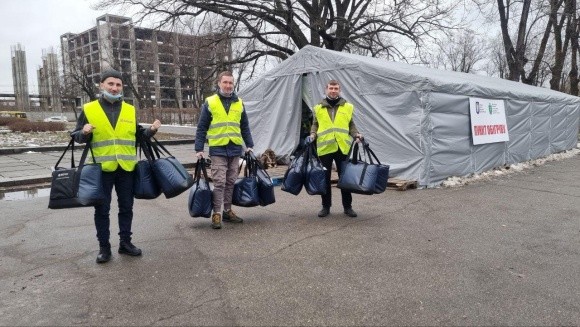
(313, 59)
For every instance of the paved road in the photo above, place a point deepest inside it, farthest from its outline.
(502, 252)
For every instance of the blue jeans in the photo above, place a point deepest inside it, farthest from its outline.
(123, 182)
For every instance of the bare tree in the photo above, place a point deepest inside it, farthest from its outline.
(78, 76)
(196, 74)
(497, 64)
(460, 52)
(561, 44)
(279, 27)
(532, 35)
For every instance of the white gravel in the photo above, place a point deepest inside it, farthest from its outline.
(34, 139)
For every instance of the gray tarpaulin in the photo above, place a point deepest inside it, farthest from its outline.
(416, 119)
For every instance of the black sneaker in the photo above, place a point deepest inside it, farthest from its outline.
(126, 247)
(230, 217)
(323, 212)
(349, 212)
(104, 254)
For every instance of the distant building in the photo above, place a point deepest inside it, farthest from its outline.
(49, 89)
(167, 69)
(20, 77)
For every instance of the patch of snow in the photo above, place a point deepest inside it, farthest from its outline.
(456, 181)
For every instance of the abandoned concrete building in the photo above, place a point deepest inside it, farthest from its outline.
(167, 69)
(20, 77)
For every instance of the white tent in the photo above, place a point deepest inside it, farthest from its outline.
(416, 119)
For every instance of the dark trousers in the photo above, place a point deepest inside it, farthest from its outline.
(326, 160)
(123, 182)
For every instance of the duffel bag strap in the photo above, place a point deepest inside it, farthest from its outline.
(370, 153)
(72, 158)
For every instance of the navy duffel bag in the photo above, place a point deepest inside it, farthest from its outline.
(200, 194)
(265, 185)
(144, 183)
(169, 173)
(246, 192)
(77, 186)
(294, 176)
(315, 174)
(360, 176)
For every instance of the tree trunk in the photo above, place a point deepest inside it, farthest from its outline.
(560, 46)
(515, 56)
(574, 54)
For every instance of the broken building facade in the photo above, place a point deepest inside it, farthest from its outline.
(49, 88)
(166, 69)
(20, 77)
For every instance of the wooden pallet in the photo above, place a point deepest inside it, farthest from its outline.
(401, 184)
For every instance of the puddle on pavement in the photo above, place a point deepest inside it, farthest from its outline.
(24, 194)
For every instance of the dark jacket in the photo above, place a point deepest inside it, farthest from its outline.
(231, 149)
(112, 110)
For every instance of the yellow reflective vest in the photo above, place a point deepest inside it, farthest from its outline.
(333, 135)
(113, 147)
(224, 127)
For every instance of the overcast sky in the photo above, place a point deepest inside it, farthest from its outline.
(38, 25)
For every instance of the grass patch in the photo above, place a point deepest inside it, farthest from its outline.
(26, 126)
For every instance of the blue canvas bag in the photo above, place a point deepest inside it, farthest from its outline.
(77, 186)
(200, 193)
(265, 184)
(171, 176)
(363, 176)
(315, 174)
(144, 184)
(295, 175)
(246, 192)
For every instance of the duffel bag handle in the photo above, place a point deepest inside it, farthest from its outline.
(370, 153)
(200, 169)
(354, 154)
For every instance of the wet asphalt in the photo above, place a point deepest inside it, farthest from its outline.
(500, 252)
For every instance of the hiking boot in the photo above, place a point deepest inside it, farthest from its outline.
(349, 212)
(324, 212)
(216, 221)
(126, 247)
(231, 217)
(104, 254)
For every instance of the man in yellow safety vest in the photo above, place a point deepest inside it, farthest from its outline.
(111, 126)
(332, 128)
(224, 123)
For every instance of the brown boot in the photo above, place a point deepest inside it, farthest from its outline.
(216, 221)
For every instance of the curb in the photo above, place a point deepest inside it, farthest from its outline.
(45, 181)
(5, 151)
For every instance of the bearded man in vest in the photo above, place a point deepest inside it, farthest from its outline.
(332, 128)
(224, 123)
(110, 124)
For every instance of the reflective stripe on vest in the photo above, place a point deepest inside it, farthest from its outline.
(224, 127)
(332, 136)
(113, 147)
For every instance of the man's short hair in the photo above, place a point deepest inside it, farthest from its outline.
(224, 73)
(333, 82)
